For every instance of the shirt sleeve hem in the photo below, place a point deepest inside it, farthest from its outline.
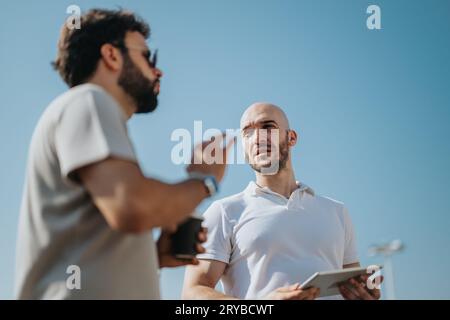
(210, 256)
(71, 168)
(351, 259)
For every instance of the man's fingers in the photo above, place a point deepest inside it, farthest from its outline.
(294, 286)
(293, 292)
(290, 288)
(226, 147)
(218, 139)
(170, 229)
(346, 293)
(317, 293)
(308, 294)
(290, 295)
(202, 236)
(374, 293)
(215, 139)
(343, 292)
(352, 288)
(199, 248)
(361, 290)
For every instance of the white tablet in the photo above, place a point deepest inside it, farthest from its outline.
(328, 281)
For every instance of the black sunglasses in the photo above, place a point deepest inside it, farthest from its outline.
(152, 59)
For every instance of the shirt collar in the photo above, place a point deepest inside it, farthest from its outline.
(253, 189)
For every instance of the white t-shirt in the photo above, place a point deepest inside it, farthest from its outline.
(269, 241)
(60, 226)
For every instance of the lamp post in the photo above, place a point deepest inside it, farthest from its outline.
(387, 250)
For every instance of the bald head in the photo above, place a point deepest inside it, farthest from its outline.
(261, 112)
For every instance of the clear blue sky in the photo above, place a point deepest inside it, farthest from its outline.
(372, 108)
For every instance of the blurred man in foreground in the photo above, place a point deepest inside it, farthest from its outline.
(86, 203)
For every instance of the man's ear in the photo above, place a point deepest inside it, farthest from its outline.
(111, 57)
(292, 138)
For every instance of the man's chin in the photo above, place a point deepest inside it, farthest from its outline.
(143, 110)
(148, 107)
(265, 160)
(260, 165)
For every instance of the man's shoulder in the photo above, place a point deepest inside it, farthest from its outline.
(76, 105)
(80, 104)
(86, 89)
(329, 204)
(329, 200)
(228, 205)
(82, 97)
(232, 199)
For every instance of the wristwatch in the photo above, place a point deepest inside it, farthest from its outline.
(210, 182)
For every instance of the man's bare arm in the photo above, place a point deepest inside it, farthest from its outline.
(200, 281)
(131, 202)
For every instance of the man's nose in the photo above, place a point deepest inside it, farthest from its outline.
(262, 136)
(158, 73)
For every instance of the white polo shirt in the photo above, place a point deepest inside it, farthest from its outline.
(269, 241)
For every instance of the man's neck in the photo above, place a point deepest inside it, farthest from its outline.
(282, 183)
(124, 101)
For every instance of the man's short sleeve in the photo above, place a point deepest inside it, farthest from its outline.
(350, 250)
(218, 244)
(91, 128)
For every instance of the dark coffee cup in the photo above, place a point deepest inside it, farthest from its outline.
(184, 240)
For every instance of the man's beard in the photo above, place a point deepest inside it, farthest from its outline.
(283, 157)
(138, 87)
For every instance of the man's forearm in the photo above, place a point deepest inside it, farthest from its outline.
(160, 204)
(205, 293)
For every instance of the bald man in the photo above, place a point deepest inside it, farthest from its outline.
(264, 241)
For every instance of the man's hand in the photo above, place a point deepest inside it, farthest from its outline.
(293, 292)
(164, 246)
(356, 289)
(205, 159)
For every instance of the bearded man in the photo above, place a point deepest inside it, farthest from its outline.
(88, 211)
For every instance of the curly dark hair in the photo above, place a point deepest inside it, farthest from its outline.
(79, 49)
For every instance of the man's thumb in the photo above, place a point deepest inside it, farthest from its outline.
(172, 228)
(294, 286)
